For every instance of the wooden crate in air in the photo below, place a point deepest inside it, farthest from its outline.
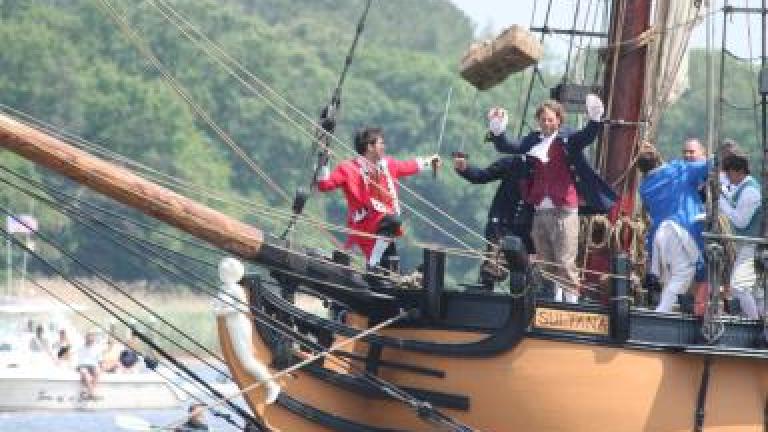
(489, 62)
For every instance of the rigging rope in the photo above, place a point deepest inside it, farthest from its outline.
(146, 51)
(228, 63)
(102, 301)
(281, 329)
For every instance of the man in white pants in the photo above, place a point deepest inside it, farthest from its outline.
(670, 195)
(743, 209)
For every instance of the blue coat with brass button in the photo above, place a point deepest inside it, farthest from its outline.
(509, 213)
(595, 195)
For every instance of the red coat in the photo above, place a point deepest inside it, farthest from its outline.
(370, 195)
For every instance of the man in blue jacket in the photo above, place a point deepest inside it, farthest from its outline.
(509, 213)
(670, 194)
(562, 185)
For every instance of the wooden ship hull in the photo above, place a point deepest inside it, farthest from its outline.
(546, 379)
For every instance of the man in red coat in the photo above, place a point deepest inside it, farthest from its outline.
(369, 182)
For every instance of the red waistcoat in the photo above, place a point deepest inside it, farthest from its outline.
(553, 179)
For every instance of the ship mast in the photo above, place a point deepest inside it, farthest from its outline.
(623, 89)
(623, 93)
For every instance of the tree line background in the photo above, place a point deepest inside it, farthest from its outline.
(67, 63)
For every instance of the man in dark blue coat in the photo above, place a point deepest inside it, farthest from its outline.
(509, 213)
(563, 185)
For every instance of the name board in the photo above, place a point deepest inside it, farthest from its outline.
(581, 322)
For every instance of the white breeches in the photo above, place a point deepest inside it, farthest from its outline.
(743, 280)
(674, 260)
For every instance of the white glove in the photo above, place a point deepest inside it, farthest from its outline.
(595, 107)
(497, 120)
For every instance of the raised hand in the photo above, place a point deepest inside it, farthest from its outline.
(459, 163)
(595, 109)
(497, 120)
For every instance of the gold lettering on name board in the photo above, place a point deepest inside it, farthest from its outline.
(582, 322)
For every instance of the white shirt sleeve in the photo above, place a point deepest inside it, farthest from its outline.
(741, 212)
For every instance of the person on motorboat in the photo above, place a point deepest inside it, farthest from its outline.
(196, 420)
(129, 355)
(369, 183)
(88, 361)
(110, 359)
(509, 213)
(562, 185)
(743, 209)
(40, 343)
(63, 349)
(670, 195)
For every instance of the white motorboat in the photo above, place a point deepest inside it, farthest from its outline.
(34, 380)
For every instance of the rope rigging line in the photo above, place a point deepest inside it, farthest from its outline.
(146, 51)
(270, 322)
(304, 255)
(329, 115)
(520, 82)
(314, 125)
(535, 72)
(100, 276)
(313, 358)
(140, 242)
(570, 41)
(103, 303)
(292, 335)
(755, 102)
(268, 211)
(233, 63)
(300, 276)
(122, 340)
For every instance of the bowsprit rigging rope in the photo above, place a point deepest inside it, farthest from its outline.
(237, 71)
(122, 340)
(283, 329)
(111, 307)
(535, 73)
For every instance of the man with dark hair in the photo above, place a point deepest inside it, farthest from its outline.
(369, 182)
(562, 185)
(195, 420)
(742, 206)
(509, 213)
(674, 242)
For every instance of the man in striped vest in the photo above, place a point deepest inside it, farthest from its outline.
(743, 209)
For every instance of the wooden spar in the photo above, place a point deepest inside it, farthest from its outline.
(229, 234)
(121, 185)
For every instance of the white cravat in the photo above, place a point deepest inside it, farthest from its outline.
(541, 150)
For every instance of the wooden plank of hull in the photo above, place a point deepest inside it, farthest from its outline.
(302, 387)
(545, 385)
